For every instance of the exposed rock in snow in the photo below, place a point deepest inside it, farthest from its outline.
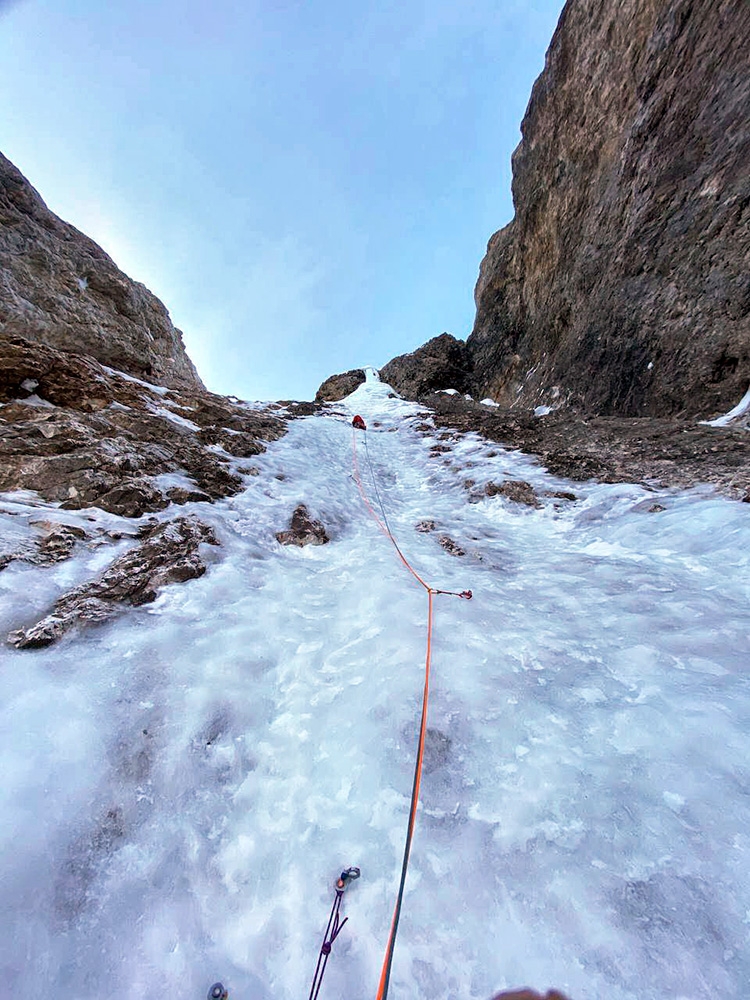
(424, 527)
(131, 498)
(168, 553)
(516, 490)
(665, 450)
(560, 495)
(56, 545)
(103, 437)
(451, 547)
(303, 530)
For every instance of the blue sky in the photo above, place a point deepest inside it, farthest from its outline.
(308, 187)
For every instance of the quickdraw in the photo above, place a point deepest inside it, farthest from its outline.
(334, 928)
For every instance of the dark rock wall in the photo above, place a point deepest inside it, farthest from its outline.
(441, 363)
(623, 282)
(57, 287)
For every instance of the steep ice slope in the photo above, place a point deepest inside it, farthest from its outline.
(181, 787)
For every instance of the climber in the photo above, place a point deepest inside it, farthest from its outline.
(359, 423)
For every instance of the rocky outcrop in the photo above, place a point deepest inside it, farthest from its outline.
(441, 363)
(84, 435)
(339, 386)
(168, 553)
(303, 530)
(57, 287)
(622, 284)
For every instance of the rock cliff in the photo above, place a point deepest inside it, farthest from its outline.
(57, 287)
(622, 285)
(102, 410)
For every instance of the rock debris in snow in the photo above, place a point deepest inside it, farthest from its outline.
(168, 553)
(516, 490)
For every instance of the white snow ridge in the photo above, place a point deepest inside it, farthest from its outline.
(182, 786)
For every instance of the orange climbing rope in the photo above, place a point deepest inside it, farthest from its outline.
(359, 424)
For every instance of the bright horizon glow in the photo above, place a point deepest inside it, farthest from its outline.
(306, 187)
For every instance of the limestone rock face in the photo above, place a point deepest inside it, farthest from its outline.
(57, 287)
(622, 284)
(441, 363)
(339, 386)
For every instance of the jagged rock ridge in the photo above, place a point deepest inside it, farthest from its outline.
(622, 284)
(57, 287)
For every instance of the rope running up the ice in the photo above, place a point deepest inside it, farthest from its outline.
(431, 592)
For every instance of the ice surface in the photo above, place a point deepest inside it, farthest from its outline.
(160, 390)
(175, 418)
(726, 419)
(180, 787)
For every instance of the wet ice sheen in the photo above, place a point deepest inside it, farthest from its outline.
(181, 786)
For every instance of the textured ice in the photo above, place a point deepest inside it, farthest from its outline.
(180, 787)
(175, 418)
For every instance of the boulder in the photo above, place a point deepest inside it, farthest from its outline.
(303, 530)
(339, 386)
(441, 363)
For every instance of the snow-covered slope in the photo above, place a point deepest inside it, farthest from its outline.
(181, 787)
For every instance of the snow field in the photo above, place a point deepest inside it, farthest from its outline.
(182, 786)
